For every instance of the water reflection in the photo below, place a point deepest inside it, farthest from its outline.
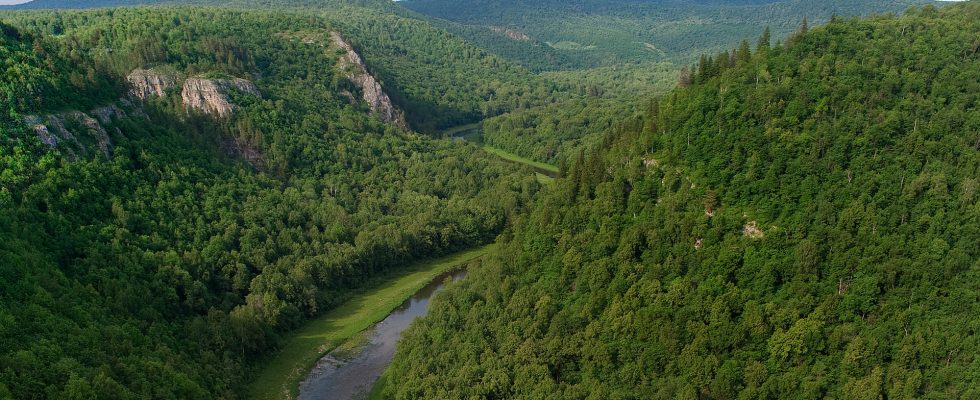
(342, 375)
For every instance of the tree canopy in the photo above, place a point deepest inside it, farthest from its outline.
(801, 222)
(168, 266)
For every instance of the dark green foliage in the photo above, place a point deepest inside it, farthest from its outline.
(168, 269)
(39, 74)
(588, 103)
(839, 258)
(439, 79)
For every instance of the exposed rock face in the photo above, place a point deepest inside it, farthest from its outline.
(356, 71)
(108, 113)
(511, 33)
(67, 131)
(237, 147)
(41, 130)
(211, 95)
(752, 230)
(145, 83)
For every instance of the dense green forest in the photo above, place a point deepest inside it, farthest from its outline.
(438, 79)
(653, 39)
(563, 34)
(793, 217)
(167, 265)
(591, 102)
(78, 4)
(798, 221)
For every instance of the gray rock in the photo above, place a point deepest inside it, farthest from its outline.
(210, 96)
(145, 83)
(373, 94)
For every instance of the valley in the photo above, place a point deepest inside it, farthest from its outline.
(735, 199)
(471, 133)
(282, 373)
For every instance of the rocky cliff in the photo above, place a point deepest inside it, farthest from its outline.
(211, 95)
(356, 71)
(511, 33)
(78, 134)
(147, 82)
(206, 95)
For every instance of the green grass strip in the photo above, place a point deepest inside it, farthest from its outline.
(461, 128)
(379, 387)
(471, 133)
(543, 179)
(280, 377)
(523, 160)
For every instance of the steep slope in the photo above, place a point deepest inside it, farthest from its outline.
(355, 70)
(438, 79)
(212, 96)
(802, 222)
(167, 266)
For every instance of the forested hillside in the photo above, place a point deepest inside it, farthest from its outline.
(563, 34)
(78, 4)
(589, 103)
(642, 44)
(440, 79)
(802, 221)
(151, 249)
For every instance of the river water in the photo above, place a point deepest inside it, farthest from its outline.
(343, 375)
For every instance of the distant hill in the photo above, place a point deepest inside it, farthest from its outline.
(580, 33)
(41, 4)
(79, 4)
(556, 35)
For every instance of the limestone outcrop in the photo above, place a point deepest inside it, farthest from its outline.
(75, 133)
(511, 33)
(211, 96)
(373, 94)
(144, 83)
(752, 230)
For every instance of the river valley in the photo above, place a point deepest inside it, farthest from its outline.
(350, 371)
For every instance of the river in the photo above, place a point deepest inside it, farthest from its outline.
(346, 374)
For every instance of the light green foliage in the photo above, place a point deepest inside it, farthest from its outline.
(594, 102)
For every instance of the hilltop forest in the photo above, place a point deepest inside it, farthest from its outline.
(795, 222)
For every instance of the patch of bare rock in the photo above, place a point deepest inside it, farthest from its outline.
(356, 71)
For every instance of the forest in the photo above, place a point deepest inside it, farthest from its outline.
(608, 59)
(563, 34)
(795, 222)
(167, 267)
(793, 216)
